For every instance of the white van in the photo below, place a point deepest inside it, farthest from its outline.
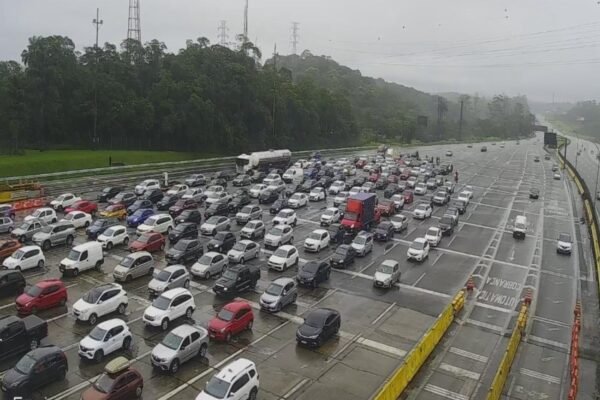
(292, 174)
(520, 227)
(81, 258)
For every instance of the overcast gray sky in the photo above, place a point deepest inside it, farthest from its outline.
(532, 47)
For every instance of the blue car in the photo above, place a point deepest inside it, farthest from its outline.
(6, 210)
(138, 217)
(311, 173)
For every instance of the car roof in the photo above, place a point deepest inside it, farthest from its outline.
(391, 263)
(138, 254)
(186, 329)
(321, 231)
(105, 287)
(286, 247)
(111, 323)
(322, 312)
(171, 293)
(173, 268)
(419, 240)
(233, 369)
(236, 305)
(43, 351)
(47, 282)
(283, 281)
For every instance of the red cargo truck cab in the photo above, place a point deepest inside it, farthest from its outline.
(360, 211)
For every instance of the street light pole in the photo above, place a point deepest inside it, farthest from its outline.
(595, 194)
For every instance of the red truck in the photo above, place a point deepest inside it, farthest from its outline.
(360, 212)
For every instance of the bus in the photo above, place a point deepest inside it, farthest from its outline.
(263, 161)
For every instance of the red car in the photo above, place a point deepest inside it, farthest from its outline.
(148, 241)
(405, 174)
(44, 294)
(233, 318)
(408, 196)
(386, 207)
(361, 163)
(373, 177)
(118, 382)
(392, 179)
(181, 206)
(83, 205)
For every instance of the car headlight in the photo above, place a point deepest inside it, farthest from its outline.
(223, 330)
(224, 289)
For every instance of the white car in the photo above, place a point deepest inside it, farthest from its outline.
(27, 257)
(418, 249)
(253, 229)
(354, 191)
(331, 215)
(148, 184)
(279, 235)
(340, 198)
(387, 274)
(210, 264)
(177, 189)
(113, 236)
(79, 219)
(298, 200)
(257, 190)
(317, 194)
(286, 216)
(317, 240)
(237, 380)
(399, 221)
(398, 200)
(272, 178)
(63, 201)
(411, 181)
(195, 193)
(433, 236)
(420, 188)
(218, 196)
(243, 251)
(214, 224)
(276, 186)
(161, 223)
(422, 211)
(99, 301)
(283, 258)
(350, 170)
(337, 187)
(564, 244)
(557, 176)
(168, 307)
(46, 214)
(211, 190)
(106, 338)
(465, 196)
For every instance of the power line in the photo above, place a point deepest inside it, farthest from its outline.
(294, 41)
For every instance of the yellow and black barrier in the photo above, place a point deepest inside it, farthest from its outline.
(495, 390)
(403, 375)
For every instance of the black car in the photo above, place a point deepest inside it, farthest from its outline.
(238, 202)
(258, 176)
(11, 282)
(167, 202)
(38, 368)
(384, 231)
(391, 190)
(460, 205)
(325, 181)
(483, 149)
(241, 180)
(227, 175)
(446, 225)
(313, 272)
(278, 205)
(217, 208)
(453, 212)
(381, 183)
(125, 198)
(186, 230)
(154, 195)
(534, 193)
(219, 182)
(358, 181)
(343, 256)
(319, 325)
(308, 185)
(268, 196)
(222, 242)
(138, 205)
(108, 193)
(192, 216)
(184, 251)
(98, 227)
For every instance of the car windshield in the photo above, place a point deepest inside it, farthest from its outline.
(181, 245)
(446, 220)
(342, 250)
(315, 236)
(310, 267)
(104, 384)
(246, 210)
(127, 262)
(330, 213)
(172, 341)
(74, 255)
(92, 296)
(421, 207)
(417, 245)
(151, 221)
(33, 291)
(386, 269)
(106, 190)
(563, 237)
(285, 214)
(239, 247)
(213, 220)
(281, 253)
(161, 302)
(229, 274)
(47, 229)
(350, 216)
(216, 387)
(205, 260)
(97, 333)
(225, 315)
(360, 240)
(296, 196)
(163, 276)
(432, 232)
(274, 289)
(398, 218)
(384, 226)
(98, 223)
(109, 232)
(315, 320)
(276, 231)
(25, 364)
(144, 238)
(139, 212)
(17, 255)
(24, 226)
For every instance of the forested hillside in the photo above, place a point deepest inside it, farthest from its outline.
(214, 99)
(583, 118)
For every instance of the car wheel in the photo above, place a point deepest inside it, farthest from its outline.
(164, 325)
(253, 393)
(127, 343)
(93, 319)
(87, 223)
(22, 239)
(63, 301)
(69, 240)
(202, 351)
(40, 264)
(34, 310)
(228, 337)
(54, 220)
(46, 245)
(189, 312)
(128, 279)
(109, 245)
(121, 309)
(75, 272)
(126, 240)
(186, 284)
(62, 374)
(249, 326)
(34, 344)
(214, 232)
(174, 366)
(98, 265)
(138, 391)
(98, 356)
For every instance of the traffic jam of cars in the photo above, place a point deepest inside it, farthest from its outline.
(148, 275)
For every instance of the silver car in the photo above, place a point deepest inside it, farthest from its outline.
(279, 235)
(210, 264)
(242, 251)
(54, 235)
(215, 224)
(27, 229)
(280, 293)
(178, 346)
(400, 222)
(363, 243)
(253, 229)
(387, 274)
(6, 225)
(134, 266)
(248, 213)
(173, 276)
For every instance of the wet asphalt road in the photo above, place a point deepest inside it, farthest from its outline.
(378, 326)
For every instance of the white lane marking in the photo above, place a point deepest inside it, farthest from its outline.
(552, 322)
(436, 259)
(468, 354)
(295, 388)
(484, 325)
(383, 313)
(445, 392)
(491, 307)
(335, 355)
(540, 375)
(459, 372)
(560, 345)
(381, 346)
(419, 280)
(57, 317)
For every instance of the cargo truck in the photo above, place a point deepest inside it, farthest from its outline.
(360, 212)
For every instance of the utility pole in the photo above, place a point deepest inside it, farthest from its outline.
(246, 22)
(274, 85)
(460, 122)
(134, 31)
(295, 37)
(223, 36)
(96, 21)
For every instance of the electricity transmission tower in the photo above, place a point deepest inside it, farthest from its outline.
(246, 22)
(223, 36)
(133, 24)
(294, 41)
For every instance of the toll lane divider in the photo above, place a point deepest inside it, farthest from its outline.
(495, 390)
(574, 356)
(403, 375)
